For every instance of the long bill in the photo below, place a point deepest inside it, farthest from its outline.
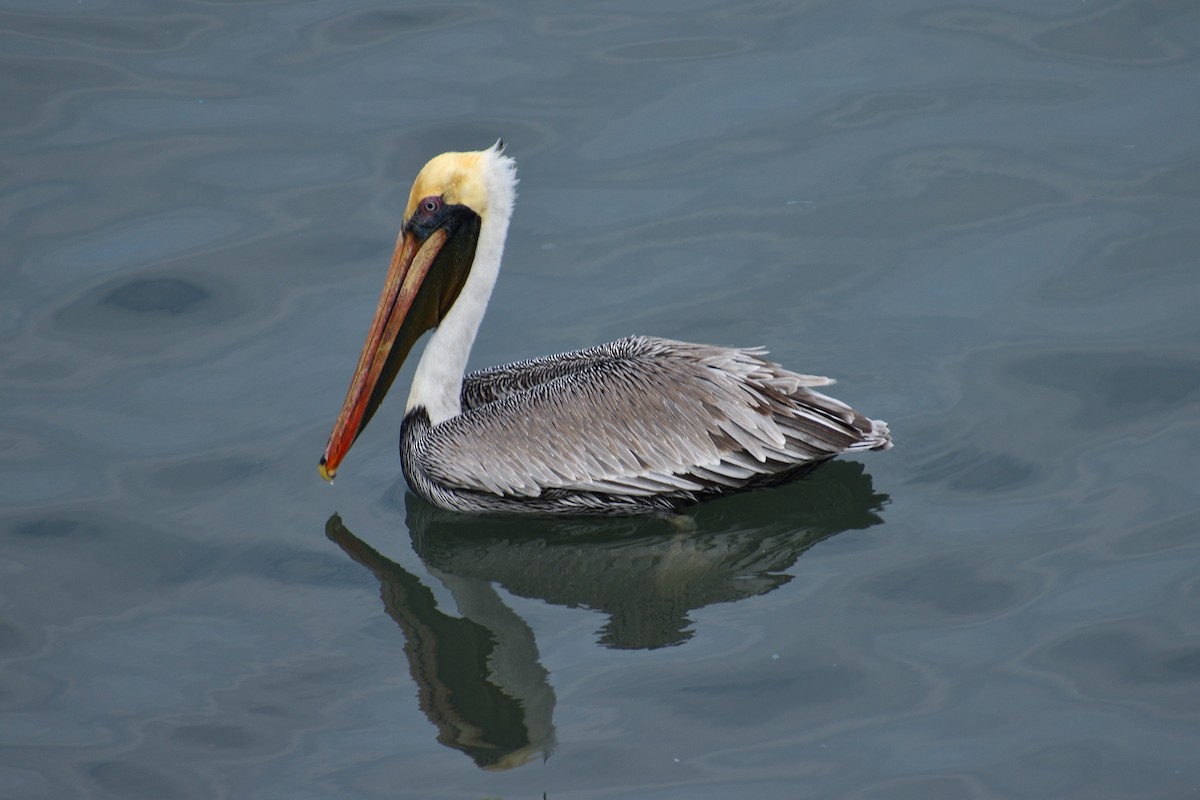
(381, 357)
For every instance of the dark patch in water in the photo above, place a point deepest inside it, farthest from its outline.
(32, 87)
(1184, 665)
(1121, 265)
(1113, 388)
(1113, 656)
(11, 638)
(1177, 180)
(969, 469)
(148, 313)
(54, 529)
(952, 587)
(203, 475)
(157, 295)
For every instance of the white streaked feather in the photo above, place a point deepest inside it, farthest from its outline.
(640, 416)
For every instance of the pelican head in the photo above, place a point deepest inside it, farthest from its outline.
(452, 237)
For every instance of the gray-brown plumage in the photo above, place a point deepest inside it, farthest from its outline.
(640, 424)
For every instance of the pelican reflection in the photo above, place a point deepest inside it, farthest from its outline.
(479, 680)
(479, 676)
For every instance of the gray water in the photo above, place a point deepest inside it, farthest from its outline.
(983, 218)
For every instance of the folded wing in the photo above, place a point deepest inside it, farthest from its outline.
(641, 416)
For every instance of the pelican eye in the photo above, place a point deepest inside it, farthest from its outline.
(427, 215)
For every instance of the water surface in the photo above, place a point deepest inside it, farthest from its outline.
(982, 218)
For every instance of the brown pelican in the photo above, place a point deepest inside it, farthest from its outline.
(637, 425)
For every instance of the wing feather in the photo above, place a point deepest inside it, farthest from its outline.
(640, 416)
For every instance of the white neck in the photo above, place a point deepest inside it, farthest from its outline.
(437, 384)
